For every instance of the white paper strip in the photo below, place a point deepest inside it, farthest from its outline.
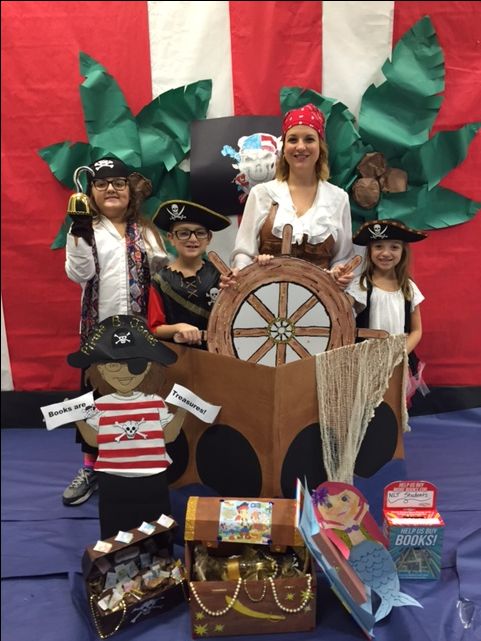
(182, 397)
(72, 409)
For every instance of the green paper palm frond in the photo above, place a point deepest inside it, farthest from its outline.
(396, 119)
(154, 142)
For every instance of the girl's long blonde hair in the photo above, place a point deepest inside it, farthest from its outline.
(401, 271)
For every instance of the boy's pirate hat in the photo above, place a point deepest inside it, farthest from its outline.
(184, 211)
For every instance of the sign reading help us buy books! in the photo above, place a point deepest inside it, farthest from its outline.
(414, 528)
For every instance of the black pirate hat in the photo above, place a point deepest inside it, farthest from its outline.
(374, 230)
(109, 167)
(121, 338)
(184, 211)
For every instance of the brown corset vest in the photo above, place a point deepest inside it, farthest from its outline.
(320, 254)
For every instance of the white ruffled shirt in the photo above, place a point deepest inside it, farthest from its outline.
(386, 309)
(329, 214)
(114, 291)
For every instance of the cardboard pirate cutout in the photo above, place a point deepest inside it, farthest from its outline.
(131, 424)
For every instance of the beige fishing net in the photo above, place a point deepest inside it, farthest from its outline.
(351, 383)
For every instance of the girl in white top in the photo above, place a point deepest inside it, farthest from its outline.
(111, 254)
(384, 295)
(385, 280)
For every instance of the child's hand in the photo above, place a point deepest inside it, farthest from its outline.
(186, 333)
(343, 274)
(342, 278)
(230, 279)
(82, 227)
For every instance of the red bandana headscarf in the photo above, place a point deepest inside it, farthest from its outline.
(308, 115)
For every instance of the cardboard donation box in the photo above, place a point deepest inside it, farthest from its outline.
(247, 568)
(414, 528)
(132, 576)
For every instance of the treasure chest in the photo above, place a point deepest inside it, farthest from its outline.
(247, 569)
(132, 576)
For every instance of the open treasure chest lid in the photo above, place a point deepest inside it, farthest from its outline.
(95, 556)
(214, 520)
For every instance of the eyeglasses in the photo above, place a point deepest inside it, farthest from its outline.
(119, 184)
(185, 234)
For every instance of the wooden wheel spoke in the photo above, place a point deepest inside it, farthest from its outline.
(313, 331)
(303, 309)
(260, 352)
(299, 349)
(281, 354)
(249, 331)
(283, 289)
(260, 308)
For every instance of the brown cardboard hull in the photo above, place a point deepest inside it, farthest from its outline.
(267, 432)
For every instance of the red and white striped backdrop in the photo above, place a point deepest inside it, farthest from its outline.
(250, 50)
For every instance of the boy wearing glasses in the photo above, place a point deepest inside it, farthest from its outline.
(183, 293)
(111, 255)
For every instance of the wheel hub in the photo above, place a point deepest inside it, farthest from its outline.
(280, 330)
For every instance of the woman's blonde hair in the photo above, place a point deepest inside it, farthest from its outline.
(401, 270)
(322, 167)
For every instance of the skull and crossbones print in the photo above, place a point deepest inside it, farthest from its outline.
(103, 163)
(176, 213)
(377, 233)
(146, 608)
(212, 295)
(130, 429)
(123, 338)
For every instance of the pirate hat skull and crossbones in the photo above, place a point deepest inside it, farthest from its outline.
(375, 230)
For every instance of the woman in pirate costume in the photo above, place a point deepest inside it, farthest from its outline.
(183, 293)
(300, 196)
(384, 294)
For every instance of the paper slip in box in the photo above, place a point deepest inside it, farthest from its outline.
(414, 529)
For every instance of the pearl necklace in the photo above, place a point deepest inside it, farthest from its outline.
(301, 606)
(216, 613)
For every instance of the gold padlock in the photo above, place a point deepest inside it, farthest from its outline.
(79, 203)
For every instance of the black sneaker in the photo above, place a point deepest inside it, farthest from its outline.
(83, 485)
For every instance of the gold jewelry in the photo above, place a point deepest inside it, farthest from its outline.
(216, 613)
(264, 590)
(97, 624)
(308, 595)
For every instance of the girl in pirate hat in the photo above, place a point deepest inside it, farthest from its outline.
(111, 253)
(384, 295)
(183, 293)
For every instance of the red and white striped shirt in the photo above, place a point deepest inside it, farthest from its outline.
(130, 434)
